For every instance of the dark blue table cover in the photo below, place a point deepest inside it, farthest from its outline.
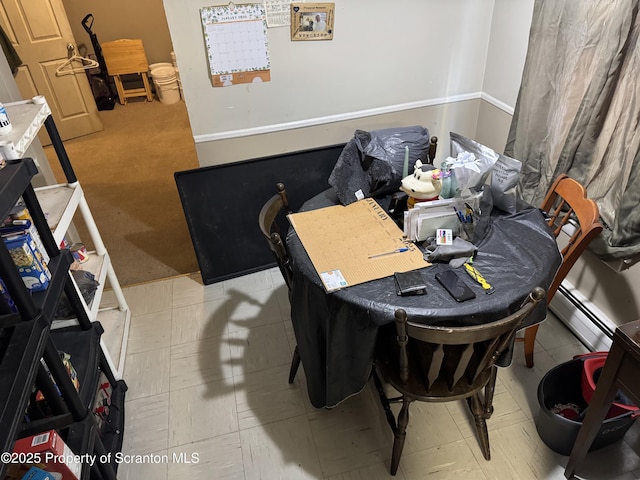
(336, 332)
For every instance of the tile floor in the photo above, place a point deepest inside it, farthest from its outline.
(207, 373)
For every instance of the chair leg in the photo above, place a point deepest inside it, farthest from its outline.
(400, 434)
(295, 363)
(489, 390)
(477, 408)
(529, 343)
(391, 420)
(147, 86)
(120, 89)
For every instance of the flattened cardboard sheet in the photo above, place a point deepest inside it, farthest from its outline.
(340, 241)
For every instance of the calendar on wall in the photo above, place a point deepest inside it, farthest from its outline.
(236, 41)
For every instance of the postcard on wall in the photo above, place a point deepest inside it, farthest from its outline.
(278, 13)
(312, 21)
(236, 41)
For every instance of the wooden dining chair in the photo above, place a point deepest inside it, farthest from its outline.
(438, 363)
(277, 204)
(570, 210)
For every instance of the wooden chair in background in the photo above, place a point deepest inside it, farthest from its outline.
(566, 204)
(436, 363)
(126, 57)
(277, 204)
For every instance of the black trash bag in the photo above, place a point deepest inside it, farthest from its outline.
(87, 284)
(371, 163)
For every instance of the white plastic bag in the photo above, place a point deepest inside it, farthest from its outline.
(471, 163)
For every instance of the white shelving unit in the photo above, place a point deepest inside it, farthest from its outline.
(60, 203)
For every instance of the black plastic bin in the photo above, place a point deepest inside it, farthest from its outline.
(562, 384)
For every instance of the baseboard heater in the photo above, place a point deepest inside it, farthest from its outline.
(588, 323)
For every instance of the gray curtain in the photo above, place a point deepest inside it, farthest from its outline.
(578, 111)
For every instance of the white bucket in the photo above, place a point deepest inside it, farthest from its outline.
(155, 66)
(164, 74)
(168, 91)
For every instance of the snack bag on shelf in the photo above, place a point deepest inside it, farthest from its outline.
(66, 360)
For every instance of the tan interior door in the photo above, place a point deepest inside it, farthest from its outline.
(41, 33)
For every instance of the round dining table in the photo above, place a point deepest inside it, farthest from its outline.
(336, 332)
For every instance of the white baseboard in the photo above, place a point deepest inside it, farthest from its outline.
(592, 327)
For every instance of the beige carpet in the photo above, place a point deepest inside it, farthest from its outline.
(126, 172)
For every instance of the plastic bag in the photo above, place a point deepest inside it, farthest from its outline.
(504, 178)
(471, 163)
(87, 284)
(372, 163)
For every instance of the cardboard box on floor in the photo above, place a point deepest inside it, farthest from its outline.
(340, 241)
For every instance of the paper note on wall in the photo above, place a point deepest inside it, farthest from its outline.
(236, 41)
(278, 12)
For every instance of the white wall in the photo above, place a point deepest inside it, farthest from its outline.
(387, 54)
(508, 42)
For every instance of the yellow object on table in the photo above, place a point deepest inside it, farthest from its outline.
(475, 274)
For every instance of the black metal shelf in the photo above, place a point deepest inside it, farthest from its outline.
(80, 438)
(21, 348)
(113, 430)
(26, 338)
(15, 177)
(47, 300)
(83, 346)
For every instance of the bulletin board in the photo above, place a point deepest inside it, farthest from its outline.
(353, 244)
(236, 43)
(221, 204)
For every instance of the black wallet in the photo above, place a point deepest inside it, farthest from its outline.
(410, 283)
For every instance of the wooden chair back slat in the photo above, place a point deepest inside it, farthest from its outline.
(462, 366)
(433, 370)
